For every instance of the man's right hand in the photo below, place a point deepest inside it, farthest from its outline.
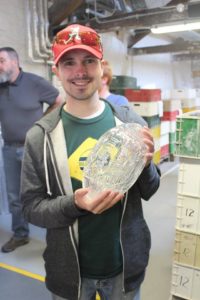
(99, 203)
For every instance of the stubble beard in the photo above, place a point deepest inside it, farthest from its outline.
(5, 76)
(81, 96)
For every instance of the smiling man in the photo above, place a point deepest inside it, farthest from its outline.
(100, 244)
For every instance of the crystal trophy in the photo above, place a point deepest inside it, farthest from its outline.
(116, 161)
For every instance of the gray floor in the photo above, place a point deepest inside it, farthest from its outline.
(18, 287)
(160, 213)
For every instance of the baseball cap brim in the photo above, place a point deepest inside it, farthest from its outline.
(91, 50)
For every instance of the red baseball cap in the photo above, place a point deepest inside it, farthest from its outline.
(77, 36)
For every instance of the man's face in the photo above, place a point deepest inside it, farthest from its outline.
(80, 73)
(7, 67)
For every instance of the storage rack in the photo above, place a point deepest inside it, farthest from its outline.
(185, 283)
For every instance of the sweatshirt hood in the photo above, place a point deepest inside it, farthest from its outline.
(123, 113)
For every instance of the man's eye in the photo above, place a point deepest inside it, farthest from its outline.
(89, 61)
(68, 63)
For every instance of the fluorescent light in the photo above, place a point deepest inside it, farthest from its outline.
(175, 27)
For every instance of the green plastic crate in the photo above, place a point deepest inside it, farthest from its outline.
(172, 142)
(123, 82)
(118, 91)
(188, 135)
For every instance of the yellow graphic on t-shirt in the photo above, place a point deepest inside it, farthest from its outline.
(78, 158)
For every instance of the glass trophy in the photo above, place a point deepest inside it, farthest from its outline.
(116, 161)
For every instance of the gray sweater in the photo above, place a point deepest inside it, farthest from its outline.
(48, 202)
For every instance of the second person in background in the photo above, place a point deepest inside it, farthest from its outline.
(22, 96)
(105, 92)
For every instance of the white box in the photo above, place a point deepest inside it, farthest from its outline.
(187, 249)
(183, 93)
(172, 126)
(164, 139)
(147, 109)
(188, 214)
(188, 102)
(164, 127)
(189, 178)
(185, 282)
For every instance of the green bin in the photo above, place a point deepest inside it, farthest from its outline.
(188, 135)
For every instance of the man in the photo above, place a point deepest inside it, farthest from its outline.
(22, 96)
(105, 86)
(99, 244)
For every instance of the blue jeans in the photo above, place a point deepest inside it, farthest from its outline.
(12, 165)
(108, 289)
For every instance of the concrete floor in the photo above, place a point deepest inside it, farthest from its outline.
(160, 213)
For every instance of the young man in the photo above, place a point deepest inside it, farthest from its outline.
(105, 92)
(100, 244)
(22, 96)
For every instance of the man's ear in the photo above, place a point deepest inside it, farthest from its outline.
(104, 79)
(55, 70)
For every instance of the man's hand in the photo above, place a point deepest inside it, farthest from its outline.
(99, 203)
(148, 140)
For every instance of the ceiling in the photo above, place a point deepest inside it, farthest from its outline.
(135, 16)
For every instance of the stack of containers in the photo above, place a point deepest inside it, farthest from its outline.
(147, 103)
(120, 83)
(171, 109)
(186, 264)
(188, 97)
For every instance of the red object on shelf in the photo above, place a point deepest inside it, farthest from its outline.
(164, 151)
(143, 95)
(169, 115)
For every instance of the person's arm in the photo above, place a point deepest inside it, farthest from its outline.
(149, 179)
(41, 208)
(59, 101)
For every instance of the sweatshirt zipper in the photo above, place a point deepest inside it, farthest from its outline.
(70, 227)
(124, 207)
(76, 253)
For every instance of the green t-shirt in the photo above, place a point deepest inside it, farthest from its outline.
(99, 238)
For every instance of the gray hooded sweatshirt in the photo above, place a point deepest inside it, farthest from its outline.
(48, 202)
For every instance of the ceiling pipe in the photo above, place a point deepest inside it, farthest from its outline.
(43, 39)
(30, 36)
(36, 31)
(38, 40)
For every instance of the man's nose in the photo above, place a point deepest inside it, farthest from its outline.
(81, 70)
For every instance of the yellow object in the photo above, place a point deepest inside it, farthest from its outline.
(22, 272)
(156, 157)
(155, 131)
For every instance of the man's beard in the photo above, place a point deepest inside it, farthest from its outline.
(5, 76)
